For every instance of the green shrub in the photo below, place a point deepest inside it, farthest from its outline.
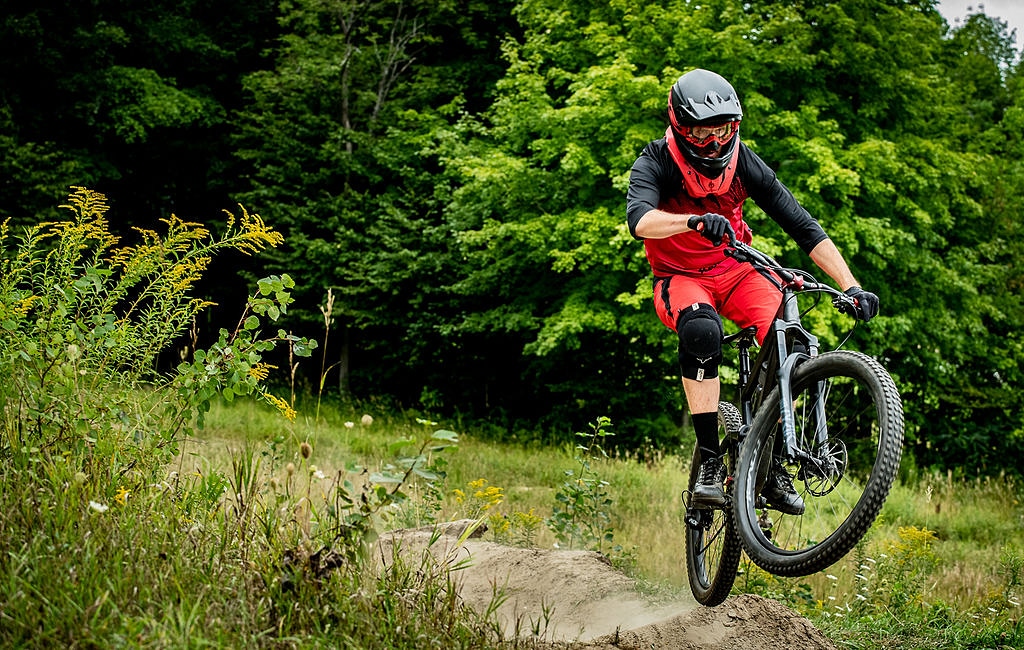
(102, 542)
(581, 516)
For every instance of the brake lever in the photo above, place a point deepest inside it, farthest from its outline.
(845, 304)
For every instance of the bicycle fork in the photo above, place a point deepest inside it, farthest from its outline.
(816, 455)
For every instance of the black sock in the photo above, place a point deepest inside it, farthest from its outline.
(705, 425)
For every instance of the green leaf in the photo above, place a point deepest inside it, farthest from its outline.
(398, 445)
(265, 286)
(444, 434)
(385, 477)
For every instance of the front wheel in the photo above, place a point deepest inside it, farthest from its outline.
(849, 435)
(712, 547)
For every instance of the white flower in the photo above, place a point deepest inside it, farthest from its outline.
(319, 474)
(98, 507)
(366, 420)
(349, 425)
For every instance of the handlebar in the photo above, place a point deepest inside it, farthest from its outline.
(793, 279)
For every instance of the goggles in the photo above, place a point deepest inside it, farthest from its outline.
(701, 135)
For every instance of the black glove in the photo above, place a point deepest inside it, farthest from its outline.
(865, 304)
(715, 227)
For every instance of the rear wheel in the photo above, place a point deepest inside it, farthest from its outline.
(849, 427)
(712, 547)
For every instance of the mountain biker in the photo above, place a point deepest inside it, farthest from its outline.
(685, 198)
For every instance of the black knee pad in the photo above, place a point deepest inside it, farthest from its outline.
(700, 341)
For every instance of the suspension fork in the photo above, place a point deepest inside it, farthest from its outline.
(786, 403)
(805, 346)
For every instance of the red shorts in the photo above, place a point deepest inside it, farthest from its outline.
(738, 293)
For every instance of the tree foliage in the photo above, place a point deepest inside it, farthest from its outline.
(454, 174)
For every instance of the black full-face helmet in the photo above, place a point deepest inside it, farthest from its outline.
(705, 114)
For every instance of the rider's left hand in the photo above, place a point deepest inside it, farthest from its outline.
(867, 303)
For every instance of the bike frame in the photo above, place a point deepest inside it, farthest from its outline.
(786, 346)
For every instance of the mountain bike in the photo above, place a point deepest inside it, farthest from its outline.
(833, 420)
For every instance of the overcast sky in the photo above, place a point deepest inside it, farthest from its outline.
(1011, 11)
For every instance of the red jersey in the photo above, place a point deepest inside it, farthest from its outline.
(657, 181)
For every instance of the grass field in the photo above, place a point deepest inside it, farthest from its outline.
(250, 537)
(944, 561)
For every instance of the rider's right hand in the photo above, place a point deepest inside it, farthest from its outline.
(715, 227)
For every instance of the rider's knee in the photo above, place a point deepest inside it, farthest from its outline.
(700, 341)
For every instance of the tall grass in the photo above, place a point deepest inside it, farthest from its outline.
(942, 566)
(116, 530)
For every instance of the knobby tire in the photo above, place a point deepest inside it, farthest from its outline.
(845, 487)
(712, 547)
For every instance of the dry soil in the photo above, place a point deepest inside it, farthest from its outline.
(576, 599)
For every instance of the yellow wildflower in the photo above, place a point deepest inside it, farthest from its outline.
(491, 497)
(22, 307)
(281, 405)
(254, 234)
(261, 371)
(499, 524)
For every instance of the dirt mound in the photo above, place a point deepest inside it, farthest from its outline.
(577, 599)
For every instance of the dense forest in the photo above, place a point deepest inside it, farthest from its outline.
(450, 179)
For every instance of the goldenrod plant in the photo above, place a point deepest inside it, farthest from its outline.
(85, 316)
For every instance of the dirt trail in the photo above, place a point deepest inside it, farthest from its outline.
(577, 599)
